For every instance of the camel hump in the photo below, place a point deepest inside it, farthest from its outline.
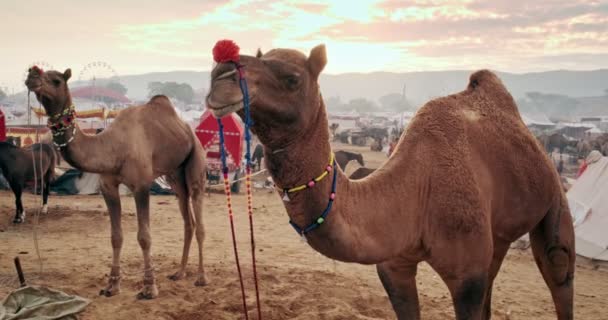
(484, 78)
(159, 99)
(486, 83)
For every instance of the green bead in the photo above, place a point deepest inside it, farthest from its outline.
(320, 220)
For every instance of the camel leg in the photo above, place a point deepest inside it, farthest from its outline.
(46, 188)
(142, 204)
(463, 265)
(197, 208)
(552, 243)
(500, 251)
(19, 212)
(468, 295)
(399, 281)
(195, 176)
(109, 190)
(179, 186)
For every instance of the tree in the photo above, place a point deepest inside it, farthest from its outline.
(361, 105)
(118, 87)
(2, 95)
(179, 91)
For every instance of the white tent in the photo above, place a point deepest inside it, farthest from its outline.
(588, 201)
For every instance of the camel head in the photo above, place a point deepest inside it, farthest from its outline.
(283, 90)
(51, 88)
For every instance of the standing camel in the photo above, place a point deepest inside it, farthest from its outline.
(466, 179)
(21, 165)
(344, 157)
(143, 143)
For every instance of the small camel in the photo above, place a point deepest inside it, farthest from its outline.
(20, 165)
(143, 143)
(466, 179)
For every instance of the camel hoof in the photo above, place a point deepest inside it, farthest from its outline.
(177, 276)
(201, 281)
(112, 289)
(109, 292)
(19, 218)
(148, 292)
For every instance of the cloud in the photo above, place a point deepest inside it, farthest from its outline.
(361, 36)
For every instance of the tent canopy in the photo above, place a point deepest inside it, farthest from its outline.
(2, 127)
(589, 208)
(208, 134)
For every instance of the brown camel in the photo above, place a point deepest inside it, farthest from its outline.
(142, 143)
(466, 179)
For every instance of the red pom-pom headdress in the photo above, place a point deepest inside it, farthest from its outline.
(226, 51)
(38, 70)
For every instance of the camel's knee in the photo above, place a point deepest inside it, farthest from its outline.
(144, 239)
(560, 265)
(200, 233)
(116, 240)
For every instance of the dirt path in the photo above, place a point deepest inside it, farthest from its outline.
(296, 282)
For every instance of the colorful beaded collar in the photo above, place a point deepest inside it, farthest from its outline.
(62, 122)
(312, 182)
(302, 231)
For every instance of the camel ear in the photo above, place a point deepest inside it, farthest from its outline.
(259, 54)
(317, 60)
(67, 74)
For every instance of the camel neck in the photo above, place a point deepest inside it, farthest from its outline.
(369, 221)
(89, 153)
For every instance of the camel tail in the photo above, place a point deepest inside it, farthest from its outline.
(195, 171)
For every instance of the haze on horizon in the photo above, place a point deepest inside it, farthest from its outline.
(361, 36)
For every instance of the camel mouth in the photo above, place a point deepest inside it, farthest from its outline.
(220, 111)
(35, 89)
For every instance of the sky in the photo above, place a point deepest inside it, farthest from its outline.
(136, 36)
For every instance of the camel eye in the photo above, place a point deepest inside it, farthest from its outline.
(56, 82)
(292, 81)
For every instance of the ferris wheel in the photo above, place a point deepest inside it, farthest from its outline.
(41, 64)
(96, 70)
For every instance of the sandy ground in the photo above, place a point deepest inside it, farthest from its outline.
(296, 282)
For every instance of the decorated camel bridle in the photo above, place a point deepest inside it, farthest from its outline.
(226, 51)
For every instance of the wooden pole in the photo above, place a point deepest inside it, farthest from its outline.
(20, 272)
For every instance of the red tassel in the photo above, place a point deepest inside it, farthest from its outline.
(226, 51)
(37, 69)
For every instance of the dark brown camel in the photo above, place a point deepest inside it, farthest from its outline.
(466, 179)
(22, 165)
(344, 157)
(143, 143)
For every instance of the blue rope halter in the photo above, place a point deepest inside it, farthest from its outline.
(248, 123)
